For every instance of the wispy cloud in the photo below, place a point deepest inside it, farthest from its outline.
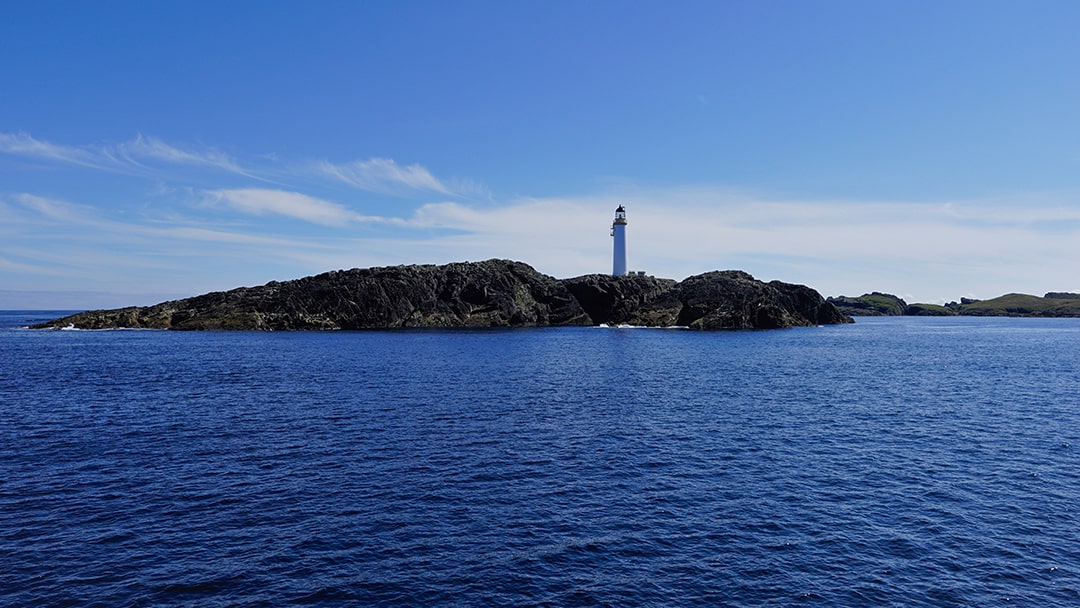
(261, 201)
(54, 209)
(257, 201)
(37, 269)
(150, 156)
(79, 242)
(82, 222)
(383, 175)
(143, 147)
(131, 156)
(22, 144)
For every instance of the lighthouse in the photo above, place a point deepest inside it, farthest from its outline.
(618, 230)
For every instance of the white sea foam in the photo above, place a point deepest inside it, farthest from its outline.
(71, 327)
(628, 326)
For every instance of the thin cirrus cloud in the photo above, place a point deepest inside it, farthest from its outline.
(143, 147)
(126, 157)
(100, 240)
(145, 155)
(383, 175)
(149, 156)
(262, 201)
(22, 144)
(53, 209)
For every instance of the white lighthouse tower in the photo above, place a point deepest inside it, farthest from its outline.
(618, 230)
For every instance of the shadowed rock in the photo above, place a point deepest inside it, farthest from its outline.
(732, 299)
(728, 299)
(629, 300)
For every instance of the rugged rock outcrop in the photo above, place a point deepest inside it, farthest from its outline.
(874, 304)
(629, 300)
(732, 299)
(494, 293)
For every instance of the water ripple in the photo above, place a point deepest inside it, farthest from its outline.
(895, 462)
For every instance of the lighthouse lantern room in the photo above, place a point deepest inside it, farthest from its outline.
(618, 230)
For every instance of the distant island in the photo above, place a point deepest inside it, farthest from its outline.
(492, 293)
(1053, 304)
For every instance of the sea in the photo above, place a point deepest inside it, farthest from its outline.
(899, 461)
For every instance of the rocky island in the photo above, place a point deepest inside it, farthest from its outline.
(493, 293)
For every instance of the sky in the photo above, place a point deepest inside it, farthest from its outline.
(158, 150)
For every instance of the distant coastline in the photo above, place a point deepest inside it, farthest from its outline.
(1053, 304)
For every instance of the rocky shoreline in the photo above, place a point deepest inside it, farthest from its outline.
(492, 293)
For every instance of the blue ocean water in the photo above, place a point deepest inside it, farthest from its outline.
(894, 462)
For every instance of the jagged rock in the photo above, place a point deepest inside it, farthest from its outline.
(729, 299)
(733, 299)
(494, 293)
(806, 303)
(630, 300)
(874, 304)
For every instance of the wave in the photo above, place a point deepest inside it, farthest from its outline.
(71, 327)
(628, 326)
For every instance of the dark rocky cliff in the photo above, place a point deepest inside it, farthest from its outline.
(494, 293)
(630, 300)
(728, 299)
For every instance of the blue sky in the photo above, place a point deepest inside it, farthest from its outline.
(155, 150)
